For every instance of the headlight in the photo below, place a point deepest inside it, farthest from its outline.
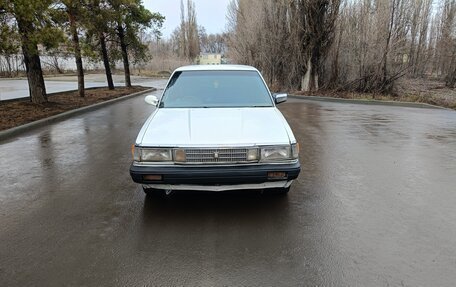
(275, 153)
(156, 154)
(279, 153)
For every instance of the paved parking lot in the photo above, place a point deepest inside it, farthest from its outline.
(18, 88)
(374, 206)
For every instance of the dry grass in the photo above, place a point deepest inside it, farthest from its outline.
(427, 91)
(407, 90)
(19, 112)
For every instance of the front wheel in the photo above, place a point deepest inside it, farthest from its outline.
(283, 191)
(153, 192)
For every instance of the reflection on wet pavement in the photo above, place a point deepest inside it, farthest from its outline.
(373, 206)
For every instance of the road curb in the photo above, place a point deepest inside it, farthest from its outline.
(369, 102)
(59, 117)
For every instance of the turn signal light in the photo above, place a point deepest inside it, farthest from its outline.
(180, 156)
(277, 175)
(152, 177)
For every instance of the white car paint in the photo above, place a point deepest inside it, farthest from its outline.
(220, 127)
(201, 127)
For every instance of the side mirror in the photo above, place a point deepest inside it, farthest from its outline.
(151, 100)
(280, 98)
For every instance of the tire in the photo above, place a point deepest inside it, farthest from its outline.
(152, 192)
(281, 191)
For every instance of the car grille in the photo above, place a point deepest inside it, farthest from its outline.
(219, 155)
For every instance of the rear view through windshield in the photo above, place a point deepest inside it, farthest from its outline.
(216, 89)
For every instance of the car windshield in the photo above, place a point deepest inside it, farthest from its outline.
(216, 89)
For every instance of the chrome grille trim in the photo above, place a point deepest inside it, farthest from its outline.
(216, 155)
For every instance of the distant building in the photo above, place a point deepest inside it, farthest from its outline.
(210, 59)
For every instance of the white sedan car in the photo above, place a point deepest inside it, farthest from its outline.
(215, 128)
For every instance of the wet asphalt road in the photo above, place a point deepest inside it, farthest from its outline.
(375, 205)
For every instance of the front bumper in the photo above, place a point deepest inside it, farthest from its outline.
(248, 175)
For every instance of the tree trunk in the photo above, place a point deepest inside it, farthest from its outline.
(77, 54)
(335, 64)
(385, 85)
(450, 80)
(104, 53)
(309, 81)
(37, 89)
(126, 63)
(305, 81)
(55, 64)
(10, 69)
(35, 78)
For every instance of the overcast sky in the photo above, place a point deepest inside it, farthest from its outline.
(211, 14)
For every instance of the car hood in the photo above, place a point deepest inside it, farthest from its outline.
(172, 127)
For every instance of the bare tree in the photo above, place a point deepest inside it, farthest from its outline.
(212, 43)
(262, 34)
(186, 35)
(348, 45)
(318, 18)
(446, 45)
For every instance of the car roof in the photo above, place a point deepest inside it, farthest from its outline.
(216, 68)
